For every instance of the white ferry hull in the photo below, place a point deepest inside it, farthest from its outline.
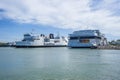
(37, 44)
(40, 46)
(80, 45)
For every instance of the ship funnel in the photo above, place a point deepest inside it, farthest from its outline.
(42, 35)
(51, 36)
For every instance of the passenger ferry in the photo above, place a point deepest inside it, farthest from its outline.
(86, 39)
(32, 40)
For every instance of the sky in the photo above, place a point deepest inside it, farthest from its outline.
(18, 17)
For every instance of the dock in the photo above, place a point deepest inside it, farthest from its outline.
(110, 47)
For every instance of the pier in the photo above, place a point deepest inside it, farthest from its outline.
(111, 47)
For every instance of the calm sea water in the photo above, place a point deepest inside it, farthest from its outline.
(59, 64)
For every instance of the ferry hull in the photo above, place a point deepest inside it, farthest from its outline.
(92, 47)
(40, 46)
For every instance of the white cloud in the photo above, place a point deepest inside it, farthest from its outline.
(69, 14)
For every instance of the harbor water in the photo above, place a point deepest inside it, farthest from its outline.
(59, 64)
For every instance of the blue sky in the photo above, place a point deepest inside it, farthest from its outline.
(11, 31)
(63, 16)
